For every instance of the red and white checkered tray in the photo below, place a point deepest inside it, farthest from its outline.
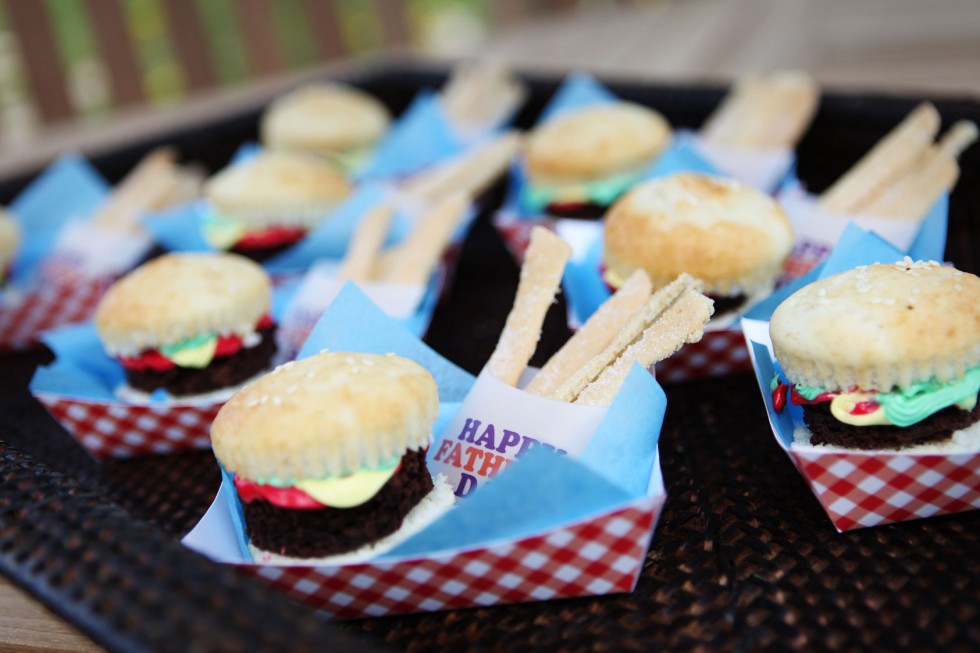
(603, 555)
(120, 430)
(861, 489)
(52, 303)
(858, 489)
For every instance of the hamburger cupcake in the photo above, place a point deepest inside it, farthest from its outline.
(338, 122)
(885, 356)
(188, 324)
(580, 162)
(328, 455)
(269, 203)
(731, 236)
(9, 242)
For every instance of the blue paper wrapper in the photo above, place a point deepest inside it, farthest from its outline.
(618, 465)
(70, 189)
(421, 137)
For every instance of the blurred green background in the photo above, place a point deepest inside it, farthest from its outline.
(437, 26)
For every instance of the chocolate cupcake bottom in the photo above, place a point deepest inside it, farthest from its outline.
(826, 429)
(223, 372)
(330, 531)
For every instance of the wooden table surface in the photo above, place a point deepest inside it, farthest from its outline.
(905, 46)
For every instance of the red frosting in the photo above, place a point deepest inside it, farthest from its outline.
(271, 237)
(779, 400)
(283, 497)
(153, 360)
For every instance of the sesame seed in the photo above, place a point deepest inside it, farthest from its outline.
(367, 361)
(310, 374)
(355, 369)
(276, 401)
(291, 389)
(889, 302)
(822, 292)
(264, 399)
(876, 300)
(324, 351)
(389, 355)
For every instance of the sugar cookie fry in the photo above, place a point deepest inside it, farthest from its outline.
(480, 93)
(914, 193)
(597, 332)
(957, 138)
(770, 111)
(368, 239)
(544, 263)
(471, 174)
(680, 323)
(144, 188)
(890, 158)
(674, 315)
(417, 256)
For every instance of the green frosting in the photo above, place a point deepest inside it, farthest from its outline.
(279, 482)
(220, 231)
(599, 191)
(809, 392)
(911, 405)
(354, 160)
(196, 341)
(907, 406)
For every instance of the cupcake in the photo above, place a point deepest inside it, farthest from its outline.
(885, 356)
(9, 242)
(269, 203)
(731, 236)
(580, 162)
(328, 455)
(188, 324)
(338, 122)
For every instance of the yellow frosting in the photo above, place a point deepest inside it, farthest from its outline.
(222, 233)
(842, 405)
(197, 355)
(347, 491)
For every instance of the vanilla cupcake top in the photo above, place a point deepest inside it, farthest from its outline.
(180, 296)
(731, 236)
(597, 141)
(332, 414)
(276, 184)
(879, 327)
(324, 118)
(9, 239)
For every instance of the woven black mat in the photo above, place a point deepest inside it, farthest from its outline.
(743, 557)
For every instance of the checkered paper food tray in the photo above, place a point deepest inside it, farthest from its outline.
(53, 303)
(547, 526)
(119, 430)
(596, 556)
(863, 488)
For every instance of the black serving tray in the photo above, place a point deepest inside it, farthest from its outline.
(743, 558)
